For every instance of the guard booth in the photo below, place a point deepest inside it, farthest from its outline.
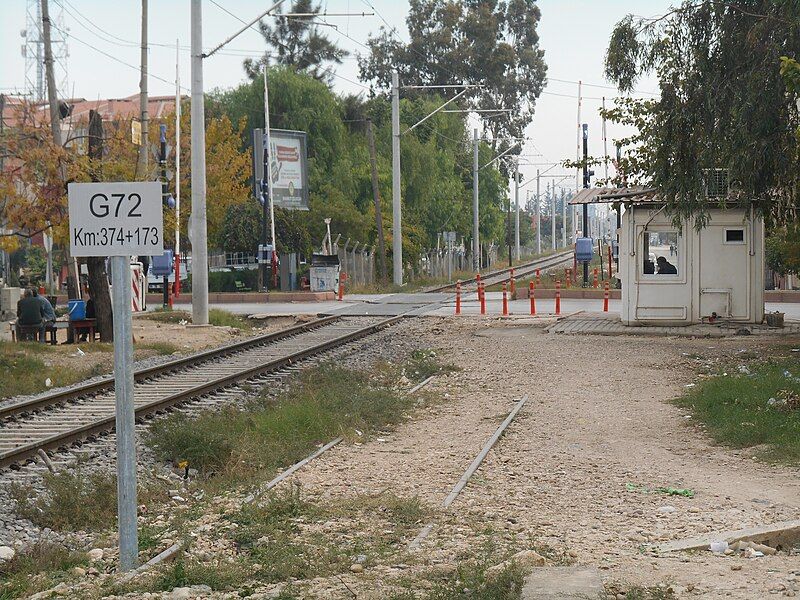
(681, 275)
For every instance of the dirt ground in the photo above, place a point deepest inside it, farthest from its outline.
(597, 418)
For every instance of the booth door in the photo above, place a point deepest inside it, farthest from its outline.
(724, 271)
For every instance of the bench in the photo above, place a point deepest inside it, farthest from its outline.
(77, 327)
(26, 332)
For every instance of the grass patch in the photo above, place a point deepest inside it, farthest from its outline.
(166, 315)
(325, 402)
(161, 348)
(24, 371)
(38, 567)
(470, 582)
(637, 592)
(759, 407)
(218, 576)
(216, 317)
(423, 364)
(223, 318)
(76, 501)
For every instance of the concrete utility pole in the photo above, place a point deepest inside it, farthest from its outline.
(397, 216)
(145, 117)
(563, 219)
(586, 231)
(516, 214)
(199, 233)
(476, 245)
(538, 215)
(73, 290)
(373, 163)
(52, 92)
(552, 196)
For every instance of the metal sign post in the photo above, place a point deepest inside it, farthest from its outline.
(120, 220)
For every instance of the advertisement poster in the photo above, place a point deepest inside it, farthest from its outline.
(288, 167)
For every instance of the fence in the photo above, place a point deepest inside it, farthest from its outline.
(357, 261)
(442, 263)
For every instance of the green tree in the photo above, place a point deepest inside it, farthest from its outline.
(296, 42)
(483, 42)
(723, 102)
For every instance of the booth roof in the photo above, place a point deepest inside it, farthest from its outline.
(602, 195)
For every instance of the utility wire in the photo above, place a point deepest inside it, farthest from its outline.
(114, 58)
(325, 69)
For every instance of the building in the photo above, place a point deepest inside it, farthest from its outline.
(682, 275)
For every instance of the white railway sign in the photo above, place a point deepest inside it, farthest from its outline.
(115, 219)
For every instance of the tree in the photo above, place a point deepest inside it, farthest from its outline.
(297, 43)
(483, 42)
(723, 103)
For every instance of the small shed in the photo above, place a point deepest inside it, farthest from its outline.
(684, 275)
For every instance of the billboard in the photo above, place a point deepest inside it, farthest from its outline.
(289, 168)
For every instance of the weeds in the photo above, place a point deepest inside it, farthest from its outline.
(754, 408)
(74, 501)
(161, 348)
(424, 364)
(223, 318)
(470, 581)
(216, 317)
(35, 568)
(324, 403)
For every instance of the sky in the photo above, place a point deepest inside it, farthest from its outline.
(104, 57)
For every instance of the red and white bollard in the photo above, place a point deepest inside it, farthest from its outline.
(606, 294)
(538, 277)
(478, 282)
(341, 287)
(610, 262)
(482, 296)
(596, 280)
(513, 288)
(505, 301)
(568, 277)
(532, 297)
(458, 297)
(558, 297)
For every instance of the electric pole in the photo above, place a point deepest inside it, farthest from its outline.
(476, 246)
(55, 127)
(145, 117)
(586, 175)
(538, 215)
(516, 214)
(373, 163)
(397, 229)
(552, 197)
(199, 232)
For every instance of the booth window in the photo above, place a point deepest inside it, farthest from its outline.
(734, 236)
(660, 253)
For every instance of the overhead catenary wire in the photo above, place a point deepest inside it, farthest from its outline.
(251, 26)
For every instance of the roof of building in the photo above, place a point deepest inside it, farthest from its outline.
(110, 108)
(602, 195)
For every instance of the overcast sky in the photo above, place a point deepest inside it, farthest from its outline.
(574, 35)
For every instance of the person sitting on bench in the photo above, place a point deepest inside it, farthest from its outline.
(31, 314)
(47, 310)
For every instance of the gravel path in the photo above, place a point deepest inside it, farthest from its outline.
(597, 419)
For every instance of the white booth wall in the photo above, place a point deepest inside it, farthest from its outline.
(720, 268)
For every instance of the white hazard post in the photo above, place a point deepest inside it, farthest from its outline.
(120, 220)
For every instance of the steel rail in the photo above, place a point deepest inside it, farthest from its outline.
(523, 269)
(34, 404)
(67, 437)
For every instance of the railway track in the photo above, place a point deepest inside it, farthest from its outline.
(520, 271)
(60, 419)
